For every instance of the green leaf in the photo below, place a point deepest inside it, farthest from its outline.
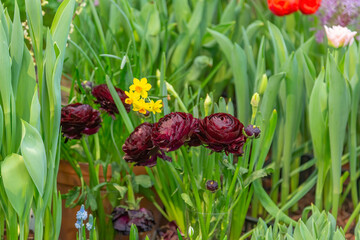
(119, 106)
(281, 53)
(16, 48)
(143, 180)
(339, 107)
(18, 185)
(61, 24)
(256, 175)
(33, 151)
(133, 233)
(187, 200)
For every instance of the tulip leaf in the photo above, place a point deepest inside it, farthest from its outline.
(33, 151)
(281, 53)
(17, 183)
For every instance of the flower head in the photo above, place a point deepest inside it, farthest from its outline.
(106, 101)
(140, 149)
(309, 6)
(222, 132)
(140, 106)
(133, 96)
(155, 107)
(283, 7)
(141, 86)
(78, 224)
(81, 214)
(169, 231)
(123, 219)
(173, 130)
(252, 131)
(212, 185)
(78, 119)
(339, 36)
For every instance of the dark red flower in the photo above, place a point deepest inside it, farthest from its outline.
(212, 185)
(173, 130)
(78, 119)
(123, 219)
(309, 6)
(140, 149)
(283, 7)
(169, 232)
(104, 98)
(194, 138)
(252, 131)
(222, 132)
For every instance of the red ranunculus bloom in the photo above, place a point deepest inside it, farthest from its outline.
(283, 7)
(104, 98)
(309, 6)
(222, 132)
(194, 138)
(169, 231)
(140, 149)
(78, 119)
(123, 219)
(173, 130)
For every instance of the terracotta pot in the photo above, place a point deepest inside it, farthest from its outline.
(68, 179)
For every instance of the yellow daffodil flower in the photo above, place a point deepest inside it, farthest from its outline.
(142, 87)
(132, 97)
(140, 106)
(155, 107)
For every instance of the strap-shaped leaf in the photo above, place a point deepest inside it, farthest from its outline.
(33, 151)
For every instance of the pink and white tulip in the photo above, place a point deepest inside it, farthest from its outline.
(339, 36)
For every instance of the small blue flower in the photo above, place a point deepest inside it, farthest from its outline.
(89, 226)
(81, 214)
(78, 224)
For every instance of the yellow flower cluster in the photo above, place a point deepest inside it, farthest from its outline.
(137, 95)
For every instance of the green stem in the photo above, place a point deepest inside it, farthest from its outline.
(353, 158)
(188, 169)
(352, 217)
(228, 196)
(94, 180)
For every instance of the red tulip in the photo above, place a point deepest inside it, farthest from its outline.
(309, 6)
(283, 7)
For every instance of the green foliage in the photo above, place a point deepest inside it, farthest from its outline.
(320, 225)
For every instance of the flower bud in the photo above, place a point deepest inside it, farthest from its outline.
(158, 74)
(212, 185)
(263, 84)
(339, 36)
(252, 131)
(191, 231)
(87, 86)
(207, 104)
(255, 100)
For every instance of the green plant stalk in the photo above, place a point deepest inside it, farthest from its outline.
(352, 217)
(94, 181)
(99, 28)
(353, 157)
(209, 211)
(195, 190)
(225, 222)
